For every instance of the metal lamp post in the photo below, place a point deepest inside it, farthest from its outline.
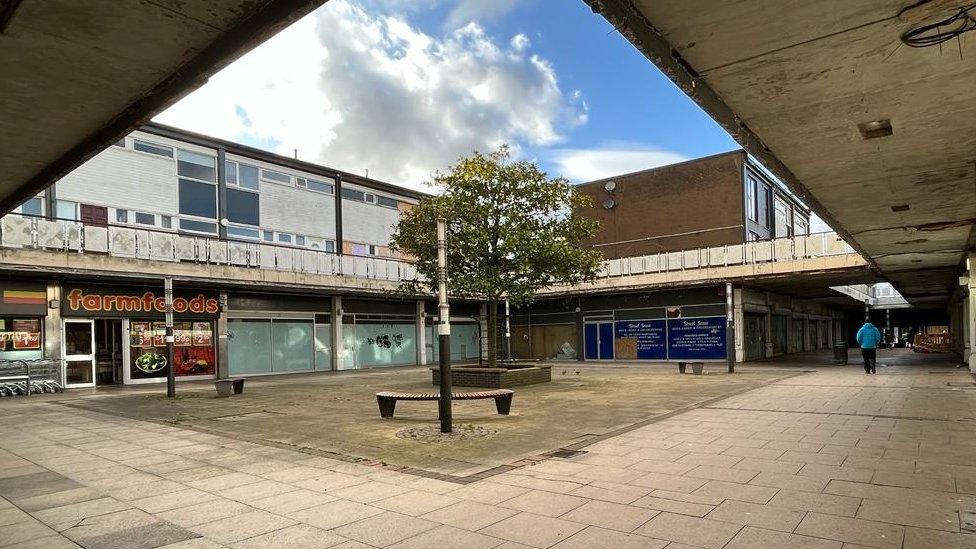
(443, 329)
(730, 327)
(170, 372)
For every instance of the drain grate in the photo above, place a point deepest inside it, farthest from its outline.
(564, 453)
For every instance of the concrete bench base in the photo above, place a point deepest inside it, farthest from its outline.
(227, 387)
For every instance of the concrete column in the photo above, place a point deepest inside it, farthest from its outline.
(970, 311)
(223, 352)
(769, 326)
(335, 324)
(739, 322)
(421, 333)
(52, 322)
(51, 201)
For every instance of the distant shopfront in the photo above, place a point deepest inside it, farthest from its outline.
(116, 334)
(661, 326)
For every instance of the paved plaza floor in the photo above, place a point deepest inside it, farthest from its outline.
(793, 454)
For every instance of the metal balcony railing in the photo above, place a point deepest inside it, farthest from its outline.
(764, 251)
(63, 235)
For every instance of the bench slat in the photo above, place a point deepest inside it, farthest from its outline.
(454, 396)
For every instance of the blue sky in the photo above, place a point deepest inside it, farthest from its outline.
(404, 87)
(629, 99)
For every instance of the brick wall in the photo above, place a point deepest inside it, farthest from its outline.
(495, 378)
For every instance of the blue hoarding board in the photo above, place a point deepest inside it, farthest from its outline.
(696, 338)
(650, 336)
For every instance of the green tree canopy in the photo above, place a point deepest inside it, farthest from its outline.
(510, 232)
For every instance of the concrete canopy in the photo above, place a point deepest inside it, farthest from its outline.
(792, 80)
(75, 76)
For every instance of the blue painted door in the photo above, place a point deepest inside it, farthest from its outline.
(590, 341)
(606, 341)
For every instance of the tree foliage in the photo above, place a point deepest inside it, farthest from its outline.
(510, 232)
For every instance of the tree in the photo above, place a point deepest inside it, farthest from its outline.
(511, 231)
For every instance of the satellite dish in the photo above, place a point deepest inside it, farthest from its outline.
(609, 203)
(610, 186)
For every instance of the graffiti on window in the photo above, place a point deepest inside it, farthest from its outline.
(386, 341)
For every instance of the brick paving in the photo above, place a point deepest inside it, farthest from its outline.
(832, 458)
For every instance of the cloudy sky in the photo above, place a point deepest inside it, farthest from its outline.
(401, 88)
(404, 87)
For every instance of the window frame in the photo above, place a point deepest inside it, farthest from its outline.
(40, 203)
(290, 182)
(216, 200)
(135, 147)
(57, 209)
(752, 198)
(245, 191)
(394, 206)
(192, 219)
(242, 227)
(137, 222)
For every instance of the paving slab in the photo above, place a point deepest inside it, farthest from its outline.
(448, 536)
(758, 538)
(761, 516)
(612, 516)
(385, 528)
(690, 530)
(335, 514)
(533, 530)
(851, 530)
(240, 527)
(598, 538)
(470, 515)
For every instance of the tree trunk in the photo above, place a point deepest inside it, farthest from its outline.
(492, 333)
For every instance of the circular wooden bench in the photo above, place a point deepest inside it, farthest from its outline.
(503, 399)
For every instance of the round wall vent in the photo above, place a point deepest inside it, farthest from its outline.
(609, 203)
(610, 186)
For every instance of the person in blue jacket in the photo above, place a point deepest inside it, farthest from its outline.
(868, 337)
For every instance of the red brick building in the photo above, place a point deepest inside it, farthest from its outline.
(722, 199)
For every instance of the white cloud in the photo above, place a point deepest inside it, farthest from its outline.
(356, 91)
(478, 11)
(581, 165)
(520, 42)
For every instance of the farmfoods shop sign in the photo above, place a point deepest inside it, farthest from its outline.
(135, 303)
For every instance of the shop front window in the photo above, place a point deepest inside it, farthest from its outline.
(263, 346)
(20, 338)
(193, 349)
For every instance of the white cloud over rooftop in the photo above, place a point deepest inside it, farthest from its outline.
(357, 90)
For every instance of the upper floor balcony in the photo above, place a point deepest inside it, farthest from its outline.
(61, 245)
(31, 243)
(803, 254)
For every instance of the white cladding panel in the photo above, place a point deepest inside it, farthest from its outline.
(368, 223)
(124, 178)
(295, 210)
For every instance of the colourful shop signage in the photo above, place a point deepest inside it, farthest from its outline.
(125, 302)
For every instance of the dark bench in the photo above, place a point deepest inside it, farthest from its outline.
(503, 399)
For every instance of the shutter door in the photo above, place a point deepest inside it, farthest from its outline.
(94, 215)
